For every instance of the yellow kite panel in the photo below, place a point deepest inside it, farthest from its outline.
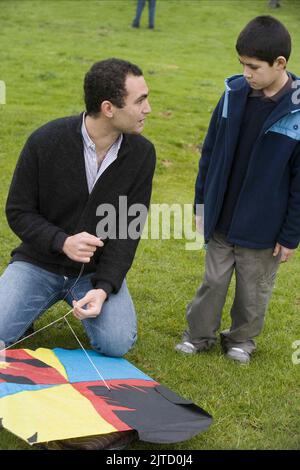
(60, 407)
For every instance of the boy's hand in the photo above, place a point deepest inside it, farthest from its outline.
(286, 253)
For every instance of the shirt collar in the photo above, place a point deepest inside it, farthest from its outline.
(285, 89)
(86, 138)
(88, 141)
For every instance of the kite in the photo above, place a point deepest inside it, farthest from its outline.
(48, 395)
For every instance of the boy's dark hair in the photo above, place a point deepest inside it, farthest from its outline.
(106, 81)
(264, 38)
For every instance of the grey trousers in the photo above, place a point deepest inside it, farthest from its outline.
(255, 272)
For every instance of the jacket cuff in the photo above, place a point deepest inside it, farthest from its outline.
(289, 245)
(106, 286)
(58, 242)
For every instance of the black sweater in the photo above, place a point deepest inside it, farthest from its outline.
(49, 200)
(256, 112)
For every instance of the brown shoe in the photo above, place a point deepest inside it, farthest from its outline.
(113, 441)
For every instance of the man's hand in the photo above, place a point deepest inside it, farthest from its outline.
(81, 247)
(286, 253)
(93, 300)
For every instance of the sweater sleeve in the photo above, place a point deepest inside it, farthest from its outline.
(22, 206)
(118, 254)
(207, 149)
(289, 236)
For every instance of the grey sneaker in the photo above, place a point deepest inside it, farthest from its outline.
(239, 355)
(186, 347)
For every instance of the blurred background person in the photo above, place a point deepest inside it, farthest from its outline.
(274, 3)
(139, 10)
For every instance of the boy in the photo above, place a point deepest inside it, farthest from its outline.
(249, 183)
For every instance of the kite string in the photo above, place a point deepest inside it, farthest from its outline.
(55, 321)
(89, 358)
(37, 331)
(64, 317)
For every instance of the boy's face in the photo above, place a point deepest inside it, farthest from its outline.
(259, 74)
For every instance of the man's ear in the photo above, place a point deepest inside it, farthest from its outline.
(281, 62)
(107, 109)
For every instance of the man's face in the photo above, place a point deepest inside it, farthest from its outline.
(258, 73)
(130, 119)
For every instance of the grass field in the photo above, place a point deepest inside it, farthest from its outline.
(46, 48)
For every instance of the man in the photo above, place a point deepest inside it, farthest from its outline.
(68, 169)
(248, 182)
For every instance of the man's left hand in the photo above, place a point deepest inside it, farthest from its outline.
(93, 300)
(285, 253)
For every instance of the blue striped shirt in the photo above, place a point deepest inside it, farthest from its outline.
(92, 168)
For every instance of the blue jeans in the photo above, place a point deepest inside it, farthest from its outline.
(26, 291)
(139, 11)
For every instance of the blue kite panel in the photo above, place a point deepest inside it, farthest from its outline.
(7, 388)
(80, 369)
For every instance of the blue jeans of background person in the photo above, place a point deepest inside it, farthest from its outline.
(139, 10)
(26, 291)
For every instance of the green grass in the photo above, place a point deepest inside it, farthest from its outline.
(46, 48)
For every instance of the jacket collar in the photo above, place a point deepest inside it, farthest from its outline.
(287, 105)
(76, 123)
(237, 86)
(237, 83)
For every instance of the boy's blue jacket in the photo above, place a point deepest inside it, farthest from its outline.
(268, 207)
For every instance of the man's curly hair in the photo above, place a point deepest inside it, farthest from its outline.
(106, 81)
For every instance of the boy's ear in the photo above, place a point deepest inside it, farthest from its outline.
(281, 62)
